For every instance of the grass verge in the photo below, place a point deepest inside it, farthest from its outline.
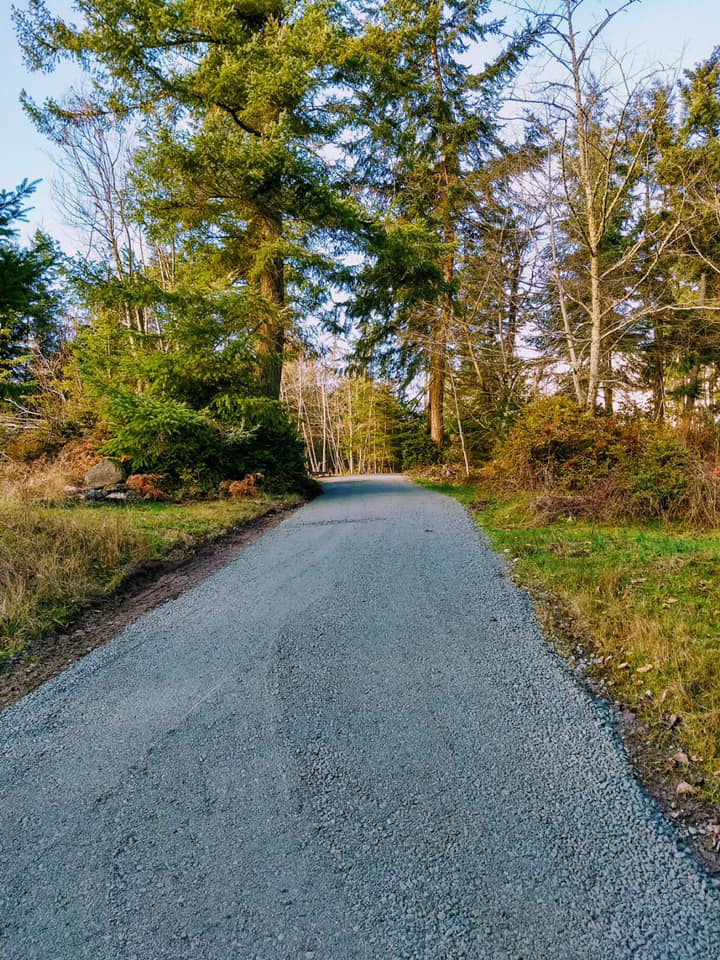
(643, 601)
(55, 560)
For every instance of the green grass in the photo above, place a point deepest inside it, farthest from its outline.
(639, 596)
(55, 560)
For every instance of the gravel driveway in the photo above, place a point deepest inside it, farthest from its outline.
(351, 742)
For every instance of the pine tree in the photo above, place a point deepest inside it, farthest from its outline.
(422, 118)
(29, 300)
(232, 103)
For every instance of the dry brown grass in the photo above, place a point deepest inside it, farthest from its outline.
(56, 559)
(45, 479)
(52, 562)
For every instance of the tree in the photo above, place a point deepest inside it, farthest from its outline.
(688, 169)
(233, 103)
(422, 119)
(29, 300)
(598, 234)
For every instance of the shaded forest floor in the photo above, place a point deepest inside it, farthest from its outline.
(73, 576)
(635, 608)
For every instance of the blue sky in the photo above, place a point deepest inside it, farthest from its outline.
(672, 32)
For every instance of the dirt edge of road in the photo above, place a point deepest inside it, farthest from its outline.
(697, 821)
(147, 587)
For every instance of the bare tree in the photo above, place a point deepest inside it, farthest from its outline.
(599, 138)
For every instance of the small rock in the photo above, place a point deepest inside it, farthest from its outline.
(646, 669)
(680, 759)
(104, 474)
(685, 789)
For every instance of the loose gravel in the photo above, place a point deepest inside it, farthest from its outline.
(351, 742)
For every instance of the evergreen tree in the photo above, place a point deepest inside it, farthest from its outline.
(423, 118)
(29, 300)
(235, 112)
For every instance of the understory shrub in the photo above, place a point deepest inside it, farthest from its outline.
(417, 449)
(554, 442)
(660, 478)
(603, 466)
(192, 450)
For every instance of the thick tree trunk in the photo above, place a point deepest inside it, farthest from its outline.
(272, 329)
(449, 173)
(436, 391)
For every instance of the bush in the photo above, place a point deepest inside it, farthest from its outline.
(26, 445)
(417, 449)
(601, 467)
(555, 442)
(264, 440)
(194, 449)
(165, 437)
(660, 478)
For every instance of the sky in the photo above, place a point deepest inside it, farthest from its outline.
(676, 34)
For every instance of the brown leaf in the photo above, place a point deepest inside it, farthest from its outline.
(623, 666)
(645, 669)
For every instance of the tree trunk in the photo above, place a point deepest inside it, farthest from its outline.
(436, 391)
(449, 173)
(595, 334)
(608, 397)
(692, 384)
(272, 328)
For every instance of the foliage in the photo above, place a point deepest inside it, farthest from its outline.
(418, 450)
(228, 170)
(420, 121)
(660, 478)
(555, 441)
(194, 449)
(622, 466)
(29, 299)
(162, 436)
(230, 157)
(350, 424)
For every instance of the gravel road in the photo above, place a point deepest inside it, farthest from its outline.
(351, 742)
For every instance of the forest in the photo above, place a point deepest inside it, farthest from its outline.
(356, 237)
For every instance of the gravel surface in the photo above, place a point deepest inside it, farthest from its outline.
(351, 742)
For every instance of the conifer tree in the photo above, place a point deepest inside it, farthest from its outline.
(29, 299)
(232, 102)
(422, 119)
